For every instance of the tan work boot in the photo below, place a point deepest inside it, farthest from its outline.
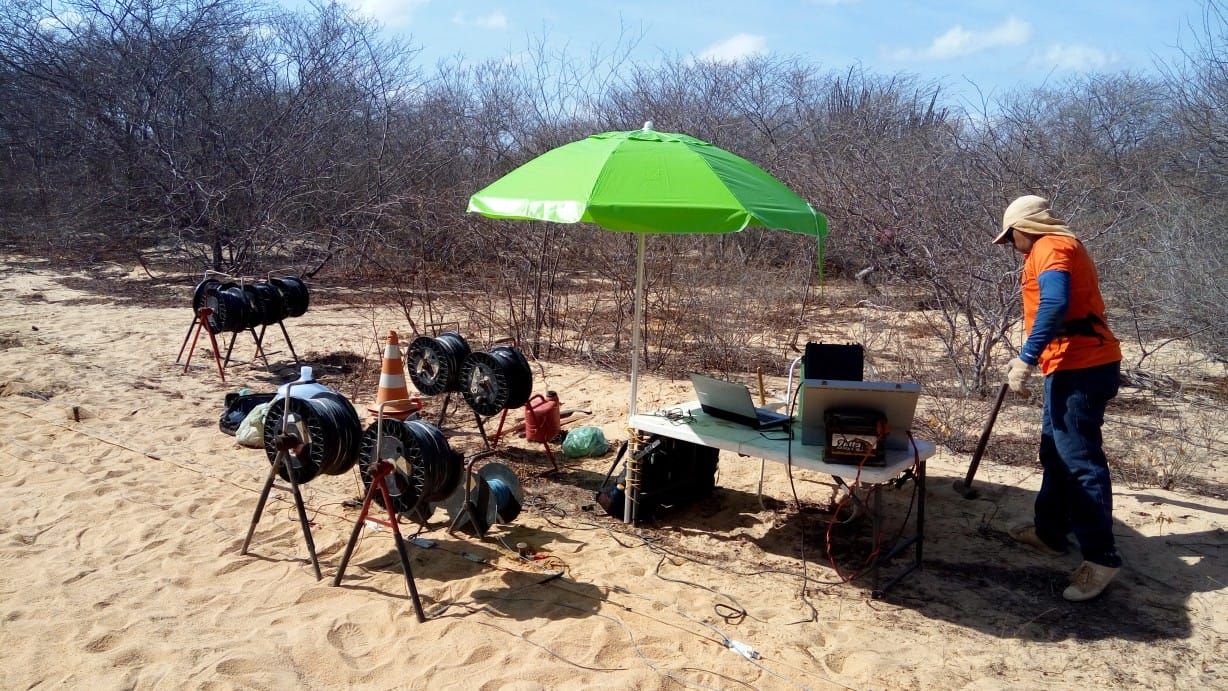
(1088, 581)
(1026, 534)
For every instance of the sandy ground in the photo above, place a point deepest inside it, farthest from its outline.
(120, 566)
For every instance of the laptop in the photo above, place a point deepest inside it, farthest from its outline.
(731, 401)
(896, 400)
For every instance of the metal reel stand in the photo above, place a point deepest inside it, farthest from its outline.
(199, 321)
(476, 497)
(379, 483)
(291, 439)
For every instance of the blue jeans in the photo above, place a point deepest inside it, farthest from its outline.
(1076, 493)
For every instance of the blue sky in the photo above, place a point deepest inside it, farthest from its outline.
(992, 44)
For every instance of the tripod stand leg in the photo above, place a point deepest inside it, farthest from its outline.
(443, 409)
(230, 347)
(260, 345)
(550, 455)
(302, 519)
(217, 358)
(482, 429)
(185, 339)
(349, 547)
(289, 343)
(264, 497)
(499, 430)
(403, 551)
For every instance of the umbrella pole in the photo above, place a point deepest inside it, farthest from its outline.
(632, 490)
(635, 326)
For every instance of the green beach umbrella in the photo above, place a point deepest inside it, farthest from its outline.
(644, 181)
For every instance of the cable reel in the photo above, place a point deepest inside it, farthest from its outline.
(269, 304)
(293, 293)
(427, 469)
(492, 495)
(230, 306)
(328, 428)
(434, 364)
(203, 290)
(496, 381)
(253, 315)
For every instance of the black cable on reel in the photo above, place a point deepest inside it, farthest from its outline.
(230, 306)
(427, 469)
(203, 290)
(294, 294)
(253, 314)
(270, 306)
(496, 381)
(434, 364)
(328, 425)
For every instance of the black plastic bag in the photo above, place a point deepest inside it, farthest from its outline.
(237, 408)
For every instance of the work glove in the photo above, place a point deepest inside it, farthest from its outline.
(1017, 374)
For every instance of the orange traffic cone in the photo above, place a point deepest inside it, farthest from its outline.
(392, 384)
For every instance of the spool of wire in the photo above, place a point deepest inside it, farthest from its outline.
(252, 315)
(230, 307)
(270, 307)
(434, 364)
(427, 470)
(294, 294)
(496, 381)
(506, 496)
(328, 428)
(496, 495)
(203, 290)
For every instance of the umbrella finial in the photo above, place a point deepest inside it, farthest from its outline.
(647, 126)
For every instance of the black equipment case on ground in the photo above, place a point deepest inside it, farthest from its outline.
(673, 473)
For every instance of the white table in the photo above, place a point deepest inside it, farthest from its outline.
(721, 434)
(688, 422)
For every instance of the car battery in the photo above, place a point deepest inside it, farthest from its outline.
(855, 436)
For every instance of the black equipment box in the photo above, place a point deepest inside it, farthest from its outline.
(844, 362)
(673, 473)
(855, 436)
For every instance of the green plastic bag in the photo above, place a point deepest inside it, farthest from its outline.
(251, 430)
(585, 441)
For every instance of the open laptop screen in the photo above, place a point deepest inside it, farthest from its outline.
(731, 401)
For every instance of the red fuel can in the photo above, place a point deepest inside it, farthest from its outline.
(541, 417)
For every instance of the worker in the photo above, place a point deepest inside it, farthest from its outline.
(1069, 340)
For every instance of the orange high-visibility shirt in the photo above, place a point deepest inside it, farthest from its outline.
(1061, 253)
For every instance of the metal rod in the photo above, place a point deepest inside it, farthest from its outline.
(186, 337)
(302, 519)
(635, 328)
(289, 343)
(349, 546)
(402, 550)
(965, 488)
(264, 497)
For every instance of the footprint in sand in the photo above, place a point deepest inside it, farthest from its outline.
(349, 639)
(239, 665)
(102, 643)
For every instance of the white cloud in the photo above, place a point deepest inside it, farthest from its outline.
(1073, 57)
(958, 42)
(494, 20)
(735, 48)
(59, 21)
(391, 13)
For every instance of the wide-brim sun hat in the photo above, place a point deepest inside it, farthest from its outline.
(1031, 214)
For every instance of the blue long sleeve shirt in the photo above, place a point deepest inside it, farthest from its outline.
(1050, 313)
